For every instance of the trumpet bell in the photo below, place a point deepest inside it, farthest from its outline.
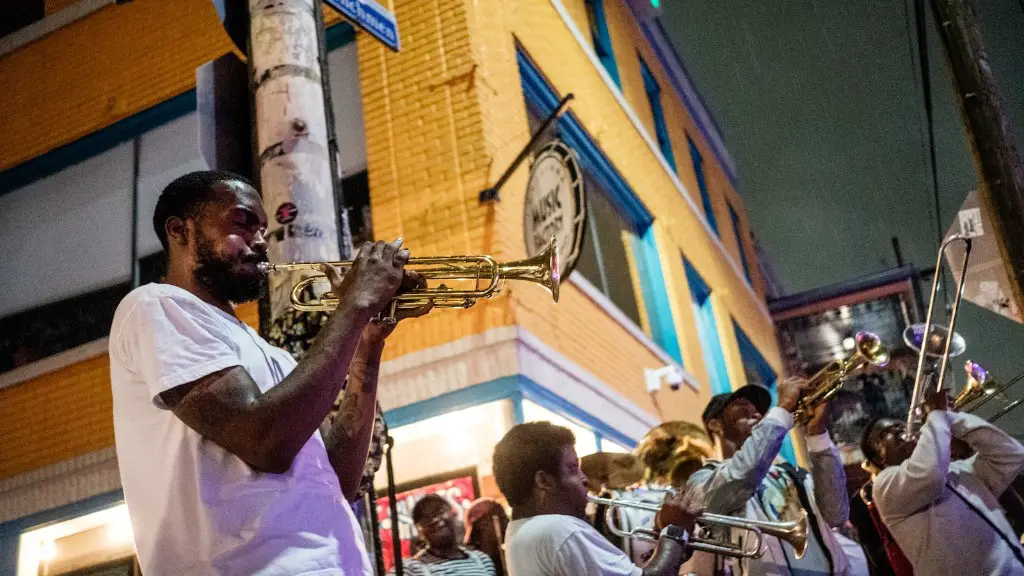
(975, 388)
(935, 344)
(829, 380)
(872, 349)
(541, 269)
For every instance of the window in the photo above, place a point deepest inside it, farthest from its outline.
(653, 91)
(603, 261)
(94, 544)
(17, 15)
(739, 241)
(586, 440)
(66, 258)
(617, 222)
(356, 191)
(450, 441)
(707, 330)
(705, 196)
(603, 258)
(602, 41)
(758, 371)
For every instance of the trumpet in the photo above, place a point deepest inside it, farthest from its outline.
(992, 391)
(488, 274)
(914, 419)
(870, 350)
(793, 532)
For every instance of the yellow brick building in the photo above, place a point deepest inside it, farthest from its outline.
(99, 114)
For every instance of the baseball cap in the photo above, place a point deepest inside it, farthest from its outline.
(757, 395)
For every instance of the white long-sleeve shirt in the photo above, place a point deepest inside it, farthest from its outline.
(744, 484)
(923, 501)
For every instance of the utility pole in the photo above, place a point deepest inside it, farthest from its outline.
(1001, 173)
(294, 160)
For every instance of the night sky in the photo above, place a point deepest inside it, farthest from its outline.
(821, 104)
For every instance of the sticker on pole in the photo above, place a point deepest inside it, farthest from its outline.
(371, 17)
(970, 222)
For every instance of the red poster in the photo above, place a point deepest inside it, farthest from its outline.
(459, 492)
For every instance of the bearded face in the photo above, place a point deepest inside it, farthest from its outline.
(232, 277)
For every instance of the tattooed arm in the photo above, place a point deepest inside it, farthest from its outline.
(347, 437)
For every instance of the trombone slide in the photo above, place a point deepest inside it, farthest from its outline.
(917, 396)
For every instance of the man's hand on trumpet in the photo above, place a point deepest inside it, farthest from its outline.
(377, 274)
(790, 391)
(818, 423)
(677, 510)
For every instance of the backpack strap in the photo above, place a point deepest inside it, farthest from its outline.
(799, 475)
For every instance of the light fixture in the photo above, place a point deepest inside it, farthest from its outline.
(48, 550)
(672, 374)
(119, 530)
(849, 343)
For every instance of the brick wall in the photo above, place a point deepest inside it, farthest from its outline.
(577, 327)
(56, 416)
(443, 119)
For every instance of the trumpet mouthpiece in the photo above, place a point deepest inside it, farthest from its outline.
(264, 267)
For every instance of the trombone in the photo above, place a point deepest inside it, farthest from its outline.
(488, 274)
(917, 397)
(869, 350)
(793, 532)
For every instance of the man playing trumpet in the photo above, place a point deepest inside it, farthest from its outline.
(944, 513)
(748, 482)
(226, 463)
(536, 468)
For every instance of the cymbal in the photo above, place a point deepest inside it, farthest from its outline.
(611, 470)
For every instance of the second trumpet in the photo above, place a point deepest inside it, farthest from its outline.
(869, 350)
(793, 532)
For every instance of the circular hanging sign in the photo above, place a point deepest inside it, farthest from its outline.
(555, 204)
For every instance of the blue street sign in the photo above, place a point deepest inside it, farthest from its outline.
(372, 17)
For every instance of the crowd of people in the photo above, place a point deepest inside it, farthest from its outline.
(228, 467)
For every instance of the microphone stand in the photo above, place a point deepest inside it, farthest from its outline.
(396, 537)
(370, 503)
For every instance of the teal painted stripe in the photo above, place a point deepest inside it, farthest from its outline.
(97, 142)
(655, 294)
(11, 531)
(127, 129)
(498, 389)
(753, 360)
(544, 397)
(516, 388)
(707, 330)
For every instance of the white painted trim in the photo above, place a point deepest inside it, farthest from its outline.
(617, 93)
(500, 352)
(595, 384)
(54, 363)
(51, 23)
(609, 307)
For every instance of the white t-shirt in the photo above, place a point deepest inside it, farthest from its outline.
(196, 508)
(560, 545)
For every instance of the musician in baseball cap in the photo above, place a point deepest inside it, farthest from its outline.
(748, 481)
